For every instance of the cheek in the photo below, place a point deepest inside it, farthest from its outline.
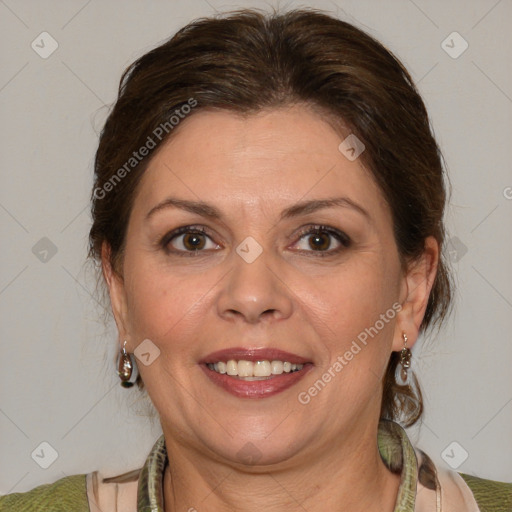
(156, 304)
(167, 305)
(358, 318)
(153, 300)
(358, 295)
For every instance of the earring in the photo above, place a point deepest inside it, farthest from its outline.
(125, 368)
(405, 361)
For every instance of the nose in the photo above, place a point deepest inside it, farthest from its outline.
(255, 291)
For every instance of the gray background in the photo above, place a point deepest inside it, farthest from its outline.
(57, 377)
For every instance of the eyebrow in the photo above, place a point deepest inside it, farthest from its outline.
(302, 208)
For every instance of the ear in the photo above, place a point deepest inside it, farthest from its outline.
(415, 290)
(115, 283)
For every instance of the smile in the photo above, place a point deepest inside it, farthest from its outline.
(258, 370)
(255, 372)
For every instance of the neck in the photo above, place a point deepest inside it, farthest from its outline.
(348, 476)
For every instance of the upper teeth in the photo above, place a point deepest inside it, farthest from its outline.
(264, 368)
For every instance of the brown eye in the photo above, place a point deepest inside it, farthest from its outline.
(187, 240)
(193, 241)
(320, 239)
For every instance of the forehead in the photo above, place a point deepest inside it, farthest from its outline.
(272, 158)
(277, 137)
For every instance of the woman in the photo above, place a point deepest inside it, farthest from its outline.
(268, 214)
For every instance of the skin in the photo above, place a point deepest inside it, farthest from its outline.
(318, 456)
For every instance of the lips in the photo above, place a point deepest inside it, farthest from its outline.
(264, 388)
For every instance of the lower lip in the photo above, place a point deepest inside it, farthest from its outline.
(256, 388)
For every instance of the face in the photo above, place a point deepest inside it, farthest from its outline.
(233, 246)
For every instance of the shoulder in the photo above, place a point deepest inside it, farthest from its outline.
(491, 496)
(433, 486)
(69, 494)
(90, 492)
(459, 491)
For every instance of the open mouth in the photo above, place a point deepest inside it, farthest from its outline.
(254, 373)
(254, 370)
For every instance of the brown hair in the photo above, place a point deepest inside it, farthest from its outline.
(246, 61)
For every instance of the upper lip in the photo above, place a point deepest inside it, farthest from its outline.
(253, 354)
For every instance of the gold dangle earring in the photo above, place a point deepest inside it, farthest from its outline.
(405, 361)
(126, 368)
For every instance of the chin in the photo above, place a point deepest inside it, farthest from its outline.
(256, 452)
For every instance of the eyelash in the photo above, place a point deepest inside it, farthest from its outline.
(341, 237)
